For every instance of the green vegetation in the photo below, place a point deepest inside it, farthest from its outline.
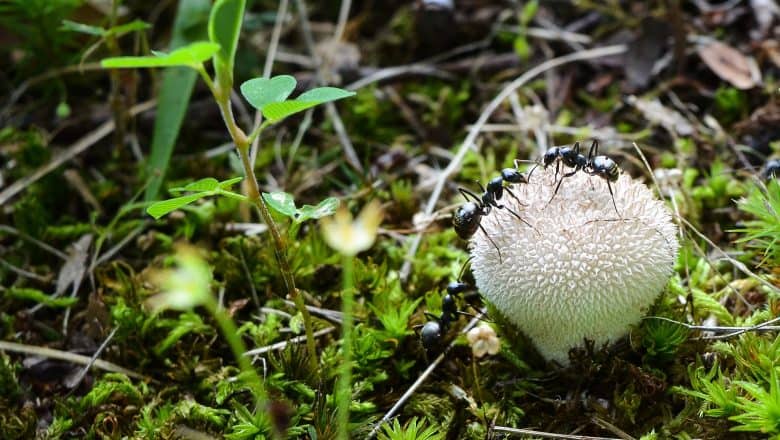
(273, 291)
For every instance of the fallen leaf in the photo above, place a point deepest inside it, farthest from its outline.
(730, 65)
(657, 113)
(73, 269)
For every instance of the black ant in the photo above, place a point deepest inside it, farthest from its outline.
(594, 165)
(772, 169)
(468, 217)
(433, 331)
(604, 167)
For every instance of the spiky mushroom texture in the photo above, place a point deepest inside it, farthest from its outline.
(581, 272)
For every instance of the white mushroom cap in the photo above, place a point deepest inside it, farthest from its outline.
(582, 271)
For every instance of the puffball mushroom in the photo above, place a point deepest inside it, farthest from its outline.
(581, 271)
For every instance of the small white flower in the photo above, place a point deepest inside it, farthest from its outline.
(483, 340)
(581, 271)
(184, 287)
(352, 237)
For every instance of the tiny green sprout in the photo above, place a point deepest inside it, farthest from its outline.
(414, 429)
(762, 233)
(662, 338)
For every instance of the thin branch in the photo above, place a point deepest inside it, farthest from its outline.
(469, 142)
(93, 359)
(738, 264)
(281, 345)
(527, 432)
(338, 125)
(68, 357)
(341, 24)
(74, 150)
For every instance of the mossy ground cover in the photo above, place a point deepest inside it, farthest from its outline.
(80, 258)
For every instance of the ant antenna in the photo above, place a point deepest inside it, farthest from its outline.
(464, 266)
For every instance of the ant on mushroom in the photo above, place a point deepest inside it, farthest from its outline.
(594, 165)
(468, 217)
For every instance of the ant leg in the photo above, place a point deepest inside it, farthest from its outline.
(559, 185)
(514, 196)
(594, 150)
(466, 193)
(536, 164)
(613, 198)
(500, 260)
(514, 214)
(557, 168)
(576, 148)
(431, 315)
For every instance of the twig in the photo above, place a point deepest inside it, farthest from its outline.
(422, 377)
(68, 357)
(331, 315)
(25, 273)
(19, 92)
(392, 72)
(281, 345)
(35, 241)
(738, 264)
(338, 125)
(74, 150)
(730, 330)
(93, 359)
(542, 434)
(610, 427)
(117, 247)
(341, 24)
(483, 118)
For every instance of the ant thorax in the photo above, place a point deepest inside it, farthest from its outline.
(577, 246)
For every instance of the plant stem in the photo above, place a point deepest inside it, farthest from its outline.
(344, 388)
(230, 332)
(222, 96)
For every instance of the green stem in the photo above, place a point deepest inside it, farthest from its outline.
(344, 388)
(230, 332)
(221, 94)
(476, 378)
(256, 132)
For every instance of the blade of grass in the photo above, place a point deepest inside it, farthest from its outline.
(177, 85)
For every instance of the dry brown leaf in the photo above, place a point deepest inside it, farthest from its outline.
(729, 64)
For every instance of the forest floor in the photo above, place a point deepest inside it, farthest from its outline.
(446, 94)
